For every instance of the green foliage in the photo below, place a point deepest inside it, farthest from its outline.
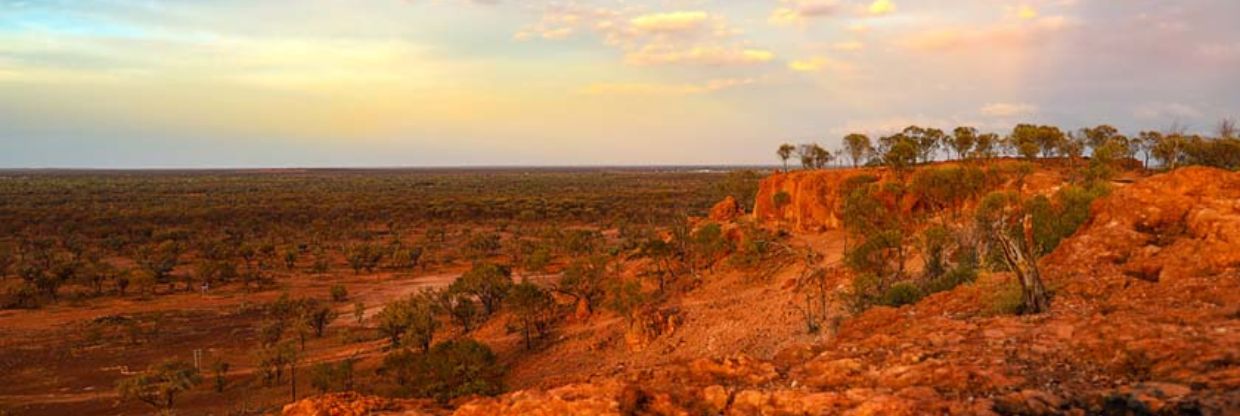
(450, 370)
(534, 311)
(1007, 299)
(900, 152)
(857, 147)
(488, 283)
(363, 256)
(742, 185)
(585, 279)
(220, 371)
(339, 293)
(329, 377)
(814, 156)
(410, 321)
(460, 308)
(900, 294)
(1058, 219)
(626, 298)
(537, 260)
(948, 187)
(781, 199)
(1030, 140)
(961, 274)
(483, 246)
(159, 385)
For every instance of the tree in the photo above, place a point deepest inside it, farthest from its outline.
(1033, 292)
(585, 279)
(410, 321)
(159, 260)
(159, 385)
(1029, 140)
(534, 310)
(962, 141)
(449, 370)
(813, 156)
(1099, 136)
(900, 153)
(857, 146)
(926, 141)
(987, 145)
(1226, 128)
(1145, 143)
(1170, 149)
(328, 377)
(487, 282)
(363, 256)
(785, 152)
(460, 307)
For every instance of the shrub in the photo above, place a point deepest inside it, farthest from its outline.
(410, 321)
(339, 293)
(449, 370)
(1007, 299)
(534, 310)
(487, 282)
(961, 274)
(159, 385)
(329, 377)
(900, 294)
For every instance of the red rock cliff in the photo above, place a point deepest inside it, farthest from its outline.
(814, 203)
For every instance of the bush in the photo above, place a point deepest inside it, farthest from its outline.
(410, 321)
(339, 293)
(1007, 299)
(449, 370)
(329, 377)
(962, 274)
(534, 310)
(900, 294)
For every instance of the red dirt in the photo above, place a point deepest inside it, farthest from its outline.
(1144, 320)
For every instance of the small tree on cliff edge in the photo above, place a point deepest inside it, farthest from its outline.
(785, 152)
(857, 146)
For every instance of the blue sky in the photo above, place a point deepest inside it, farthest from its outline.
(228, 83)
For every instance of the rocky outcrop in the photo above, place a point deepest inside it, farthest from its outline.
(726, 210)
(1166, 227)
(812, 202)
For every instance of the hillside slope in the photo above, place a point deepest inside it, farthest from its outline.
(1145, 319)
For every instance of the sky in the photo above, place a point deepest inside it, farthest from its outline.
(306, 83)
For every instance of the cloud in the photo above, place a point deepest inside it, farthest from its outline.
(1167, 111)
(817, 64)
(1003, 110)
(848, 46)
(690, 37)
(882, 7)
(1001, 35)
(656, 54)
(796, 12)
(670, 22)
(661, 89)
(1026, 12)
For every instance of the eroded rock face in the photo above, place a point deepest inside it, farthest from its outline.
(812, 204)
(726, 210)
(1170, 226)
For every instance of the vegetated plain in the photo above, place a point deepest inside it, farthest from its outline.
(107, 273)
(1040, 272)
